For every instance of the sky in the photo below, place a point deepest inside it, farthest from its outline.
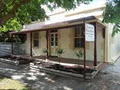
(99, 0)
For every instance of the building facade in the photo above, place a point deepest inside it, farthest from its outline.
(65, 30)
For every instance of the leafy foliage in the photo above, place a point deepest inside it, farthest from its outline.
(15, 13)
(6, 37)
(60, 51)
(112, 15)
(11, 25)
(116, 28)
(79, 54)
(45, 50)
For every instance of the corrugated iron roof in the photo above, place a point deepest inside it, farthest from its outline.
(58, 25)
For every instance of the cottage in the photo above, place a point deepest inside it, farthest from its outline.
(66, 30)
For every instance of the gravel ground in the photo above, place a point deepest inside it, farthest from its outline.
(107, 79)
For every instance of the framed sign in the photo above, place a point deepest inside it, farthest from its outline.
(89, 32)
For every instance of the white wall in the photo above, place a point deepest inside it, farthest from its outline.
(42, 44)
(66, 42)
(114, 45)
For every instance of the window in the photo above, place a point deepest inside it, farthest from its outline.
(79, 38)
(36, 39)
(54, 39)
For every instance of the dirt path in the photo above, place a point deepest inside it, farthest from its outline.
(107, 79)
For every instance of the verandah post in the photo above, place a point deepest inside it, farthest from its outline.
(47, 42)
(84, 73)
(95, 46)
(31, 44)
(12, 44)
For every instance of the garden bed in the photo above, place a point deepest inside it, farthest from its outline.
(69, 71)
(16, 60)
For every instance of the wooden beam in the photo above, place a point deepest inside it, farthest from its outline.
(95, 45)
(12, 44)
(47, 43)
(31, 44)
(84, 77)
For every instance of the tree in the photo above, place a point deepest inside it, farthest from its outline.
(15, 13)
(112, 14)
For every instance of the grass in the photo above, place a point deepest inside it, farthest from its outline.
(6, 83)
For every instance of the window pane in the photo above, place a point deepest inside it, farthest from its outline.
(36, 43)
(36, 39)
(79, 39)
(77, 35)
(56, 43)
(51, 35)
(56, 35)
(78, 32)
(36, 35)
(56, 39)
(52, 43)
(52, 39)
(79, 42)
(82, 42)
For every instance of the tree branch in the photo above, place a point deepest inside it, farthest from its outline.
(11, 14)
(1, 3)
(5, 8)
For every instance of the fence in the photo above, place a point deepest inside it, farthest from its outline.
(5, 49)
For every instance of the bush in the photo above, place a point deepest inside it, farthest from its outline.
(44, 50)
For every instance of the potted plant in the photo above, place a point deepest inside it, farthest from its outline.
(60, 52)
(45, 51)
(79, 55)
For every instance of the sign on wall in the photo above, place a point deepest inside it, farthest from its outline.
(89, 32)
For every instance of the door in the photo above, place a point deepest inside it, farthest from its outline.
(54, 43)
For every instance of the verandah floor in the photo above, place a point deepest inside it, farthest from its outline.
(89, 64)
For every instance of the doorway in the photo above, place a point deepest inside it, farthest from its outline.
(54, 42)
